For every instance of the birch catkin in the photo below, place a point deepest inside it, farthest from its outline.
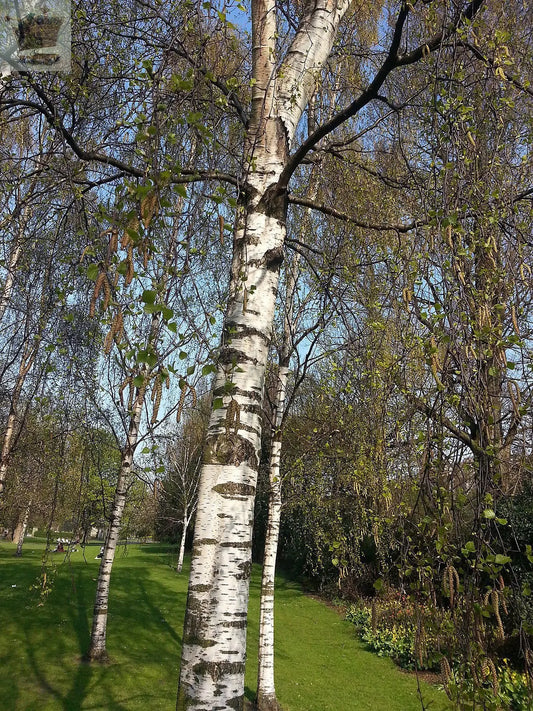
(96, 292)
(157, 391)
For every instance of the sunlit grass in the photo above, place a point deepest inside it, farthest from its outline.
(320, 664)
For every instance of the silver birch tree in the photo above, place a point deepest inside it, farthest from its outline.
(97, 648)
(214, 641)
(266, 690)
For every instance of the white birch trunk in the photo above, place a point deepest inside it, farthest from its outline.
(97, 648)
(10, 279)
(214, 640)
(24, 368)
(266, 690)
(22, 530)
(181, 555)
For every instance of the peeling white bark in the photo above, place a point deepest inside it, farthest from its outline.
(306, 56)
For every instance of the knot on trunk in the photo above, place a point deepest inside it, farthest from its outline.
(230, 448)
(274, 203)
(273, 258)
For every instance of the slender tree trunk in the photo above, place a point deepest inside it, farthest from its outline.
(10, 279)
(266, 691)
(22, 530)
(10, 431)
(97, 649)
(181, 555)
(214, 640)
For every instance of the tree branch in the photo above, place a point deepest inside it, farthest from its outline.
(459, 434)
(392, 61)
(50, 114)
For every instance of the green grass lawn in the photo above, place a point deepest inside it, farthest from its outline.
(320, 664)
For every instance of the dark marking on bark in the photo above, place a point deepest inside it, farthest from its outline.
(246, 570)
(239, 546)
(237, 703)
(274, 203)
(206, 542)
(198, 641)
(200, 588)
(234, 356)
(233, 329)
(255, 409)
(273, 258)
(216, 670)
(238, 624)
(196, 606)
(251, 394)
(230, 449)
(231, 489)
(224, 390)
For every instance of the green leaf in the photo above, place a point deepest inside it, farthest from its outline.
(218, 403)
(122, 267)
(152, 308)
(92, 272)
(182, 355)
(138, 381)
(378, 585)
(148, 296)
(489, 513)
(208, 369)
(191, 369)
(502, 559)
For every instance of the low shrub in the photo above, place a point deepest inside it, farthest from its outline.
(418, 636)
(495, 688)
(415, 635)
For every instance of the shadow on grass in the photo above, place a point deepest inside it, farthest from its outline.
(44, 643)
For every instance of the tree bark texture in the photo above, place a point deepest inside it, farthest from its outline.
(26, 363)
(214, 641)
(181, 555)
(266, 690)
(21, 530)
(97, 648)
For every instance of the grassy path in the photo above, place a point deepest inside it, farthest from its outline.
(320, 664)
